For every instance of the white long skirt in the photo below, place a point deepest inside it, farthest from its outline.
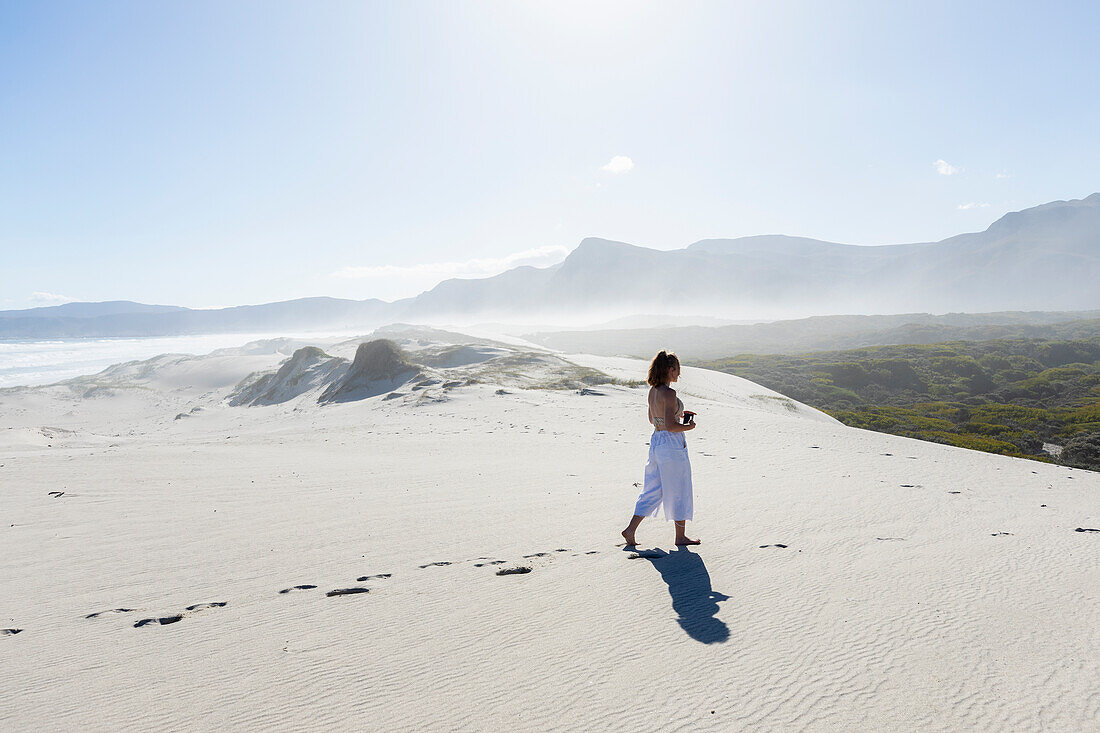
(667, 478)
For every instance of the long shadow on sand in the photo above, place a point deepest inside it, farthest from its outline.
(693, 599)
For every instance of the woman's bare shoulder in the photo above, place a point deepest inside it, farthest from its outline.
(663, 392)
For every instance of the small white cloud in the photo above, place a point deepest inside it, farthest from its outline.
(618, 164)
(49, 298)
(1003, 174)
(946, 169)
(481, 267)
(972, 205)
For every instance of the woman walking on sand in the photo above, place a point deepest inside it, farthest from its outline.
(667, 472)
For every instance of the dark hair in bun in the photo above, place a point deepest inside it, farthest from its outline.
(658, 368)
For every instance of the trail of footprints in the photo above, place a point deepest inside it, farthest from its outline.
(165, 620)
(171, 618)
(168, 619)
(517, 568)
(480, 562)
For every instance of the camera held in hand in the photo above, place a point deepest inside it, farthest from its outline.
(689, 417)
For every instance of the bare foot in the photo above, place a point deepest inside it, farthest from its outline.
(681, 541)
(629, 537)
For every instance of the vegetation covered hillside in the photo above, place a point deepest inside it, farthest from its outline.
(823, 333)
(1004, 396)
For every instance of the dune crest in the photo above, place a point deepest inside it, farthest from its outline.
(308, 368)
(380, 366)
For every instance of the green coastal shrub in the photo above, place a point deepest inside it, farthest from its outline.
(1082, 451)
(1006, 396)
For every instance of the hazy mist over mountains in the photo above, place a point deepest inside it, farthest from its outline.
(1043, 258)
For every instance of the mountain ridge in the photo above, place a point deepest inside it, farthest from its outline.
(1044, 258)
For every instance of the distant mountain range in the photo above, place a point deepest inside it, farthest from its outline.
(1042, 258)
(824, 333)
(127, 319)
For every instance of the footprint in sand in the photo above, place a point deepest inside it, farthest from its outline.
(644, 554)
(97, 614)
(379, 576)
(55, 494)
(535, 554)
(434, 564)
(175, 618)
(346, 592)
(522, 569)
(1086, 529)
(954, 492)
(204, 606)
(297, 587)
(9, 632)
(891, 539)
(490, 562)
(1000, 534)
(775, 545)
(163, 620)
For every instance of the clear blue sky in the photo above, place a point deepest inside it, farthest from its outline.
(220, 153)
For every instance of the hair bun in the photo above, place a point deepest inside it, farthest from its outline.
(658, 368)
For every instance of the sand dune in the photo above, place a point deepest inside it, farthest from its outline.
(379, 367)
(449, 561)
(308, 368)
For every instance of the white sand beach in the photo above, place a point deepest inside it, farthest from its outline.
(847, 580)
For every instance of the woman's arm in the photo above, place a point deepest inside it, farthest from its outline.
(673, 425)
